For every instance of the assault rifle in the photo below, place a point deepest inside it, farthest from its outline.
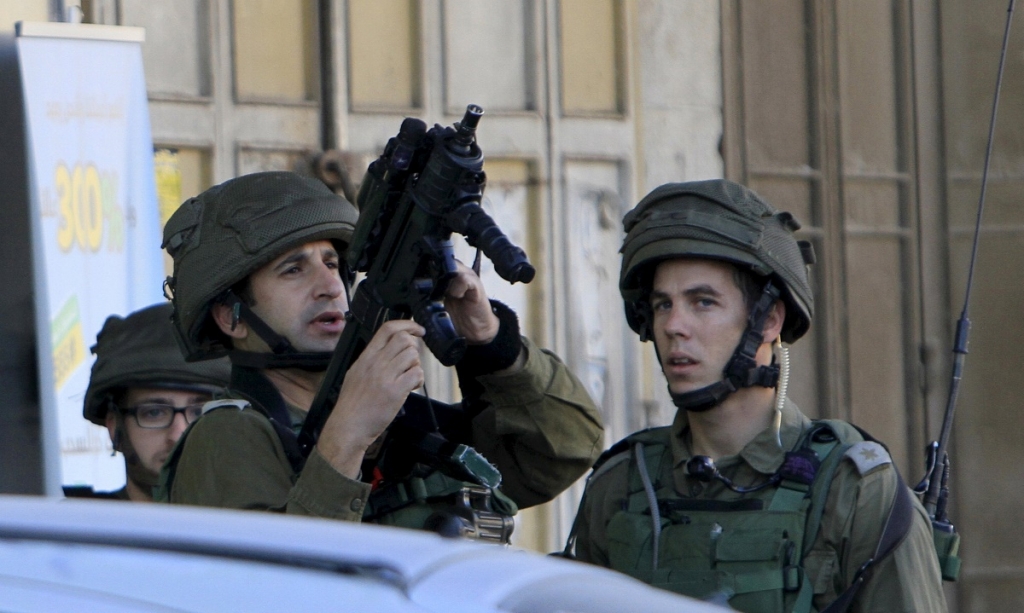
(426, 185)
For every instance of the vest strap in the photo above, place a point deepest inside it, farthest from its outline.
(897, 526)
(831, 453)
(652, 502)
(805, 597)
(800, 475)
(654, 455)
(787, 499)
(404, 493)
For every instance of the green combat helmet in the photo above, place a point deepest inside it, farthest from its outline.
(719, 220)
(140, 350)
(226, 233)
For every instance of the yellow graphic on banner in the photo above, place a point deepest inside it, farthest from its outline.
(88, 203)
(68, 344)
(168, 182)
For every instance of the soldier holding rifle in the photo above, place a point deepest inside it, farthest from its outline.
(260, 274)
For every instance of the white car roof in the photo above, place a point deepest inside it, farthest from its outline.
(151, 557)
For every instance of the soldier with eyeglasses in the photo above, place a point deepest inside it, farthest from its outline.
(145, 393)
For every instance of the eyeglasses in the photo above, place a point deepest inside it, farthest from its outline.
(156, 416)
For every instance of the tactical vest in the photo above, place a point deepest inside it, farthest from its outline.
(436, 502)
(747, 552)
(425, 499)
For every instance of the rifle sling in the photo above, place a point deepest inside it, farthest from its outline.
(897, 526)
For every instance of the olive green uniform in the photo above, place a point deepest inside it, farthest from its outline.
(857, 506)
(540, 429)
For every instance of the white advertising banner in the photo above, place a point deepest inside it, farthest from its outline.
(95, 221)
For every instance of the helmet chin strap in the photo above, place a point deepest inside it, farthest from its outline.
(742, 369)
(284, 354)
(312, 361)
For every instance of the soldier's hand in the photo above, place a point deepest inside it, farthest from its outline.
(467, 305)
(374, 390)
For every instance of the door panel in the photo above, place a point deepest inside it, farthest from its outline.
(821, 133)
(591, 76)
(384, 51)
(275, 48)
(183, 26)
(773, 147)
(202, 57)
(776, 88)
(593, 191)
(987, 454)
(491, 63)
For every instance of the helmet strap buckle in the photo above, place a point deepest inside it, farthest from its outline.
(283, 353)
(240, 310)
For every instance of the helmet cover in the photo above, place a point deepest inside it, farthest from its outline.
(719, 220)
(226, 233)
(140, 350)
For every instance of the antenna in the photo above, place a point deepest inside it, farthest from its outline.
(935, 482)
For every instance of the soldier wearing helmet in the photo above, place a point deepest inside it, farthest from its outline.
(743, 499)
(145, 393)
(259, 276)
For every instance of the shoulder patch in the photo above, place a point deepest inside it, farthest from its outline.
(867, 455)
(229, 403)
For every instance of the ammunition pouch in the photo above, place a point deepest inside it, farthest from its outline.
(444, 505)
(747, 552)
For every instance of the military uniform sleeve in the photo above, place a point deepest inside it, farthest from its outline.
(234, 459)
(906, 581)
(541, 428)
